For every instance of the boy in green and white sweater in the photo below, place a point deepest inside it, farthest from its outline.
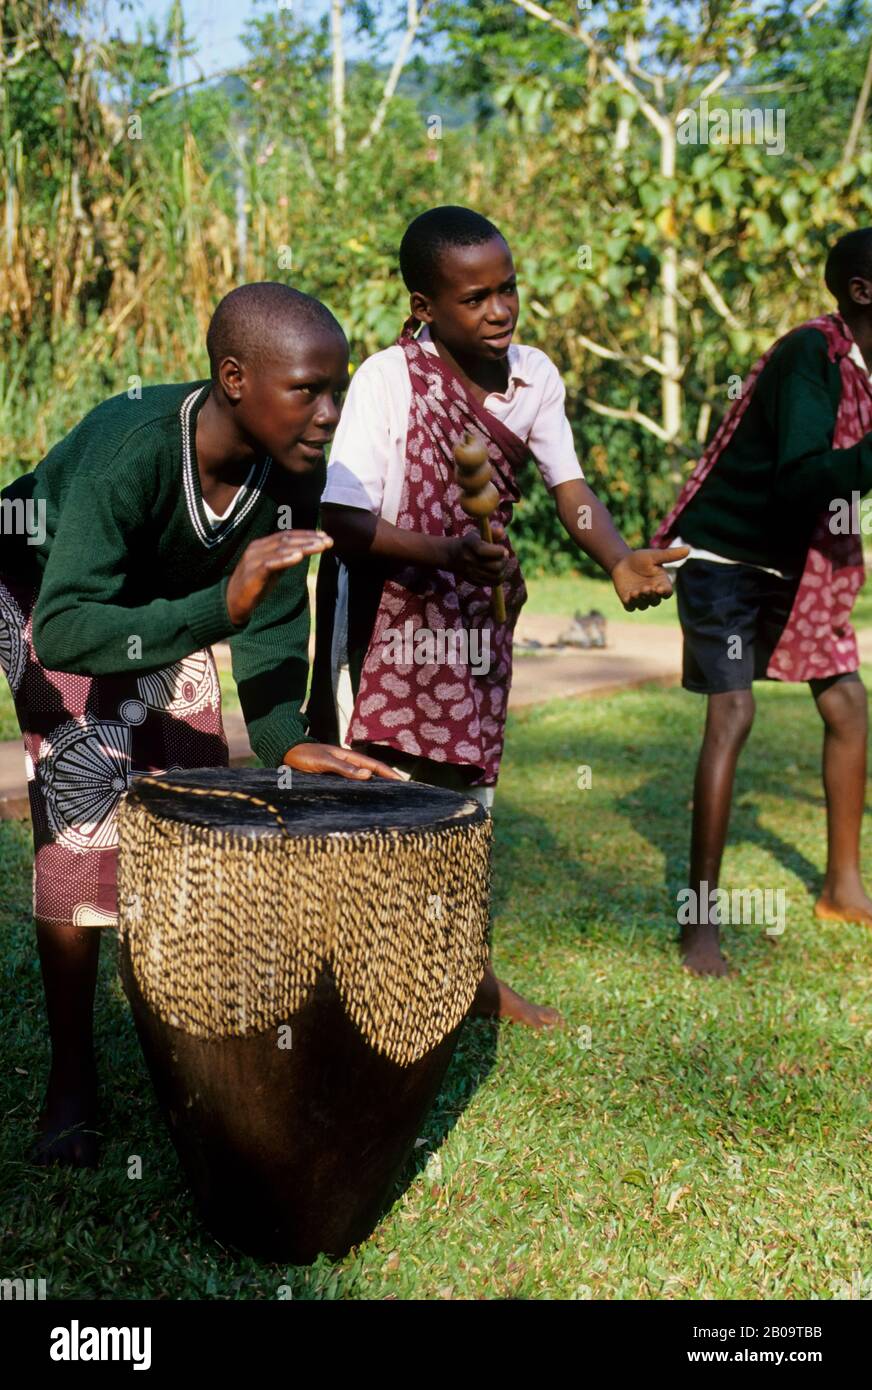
(160, 525)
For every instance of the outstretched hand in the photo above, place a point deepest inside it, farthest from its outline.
(640, 580)
(261, 565)
(323, 757)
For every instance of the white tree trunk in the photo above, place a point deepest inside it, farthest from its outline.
(670, 388)
(415, 16)
(859, 113)
(241, 213)
(338, 49)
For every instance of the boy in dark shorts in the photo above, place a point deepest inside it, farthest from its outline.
(166, 521)
(772, 574)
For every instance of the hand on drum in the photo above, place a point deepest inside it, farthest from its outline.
(262, 563)
(323, 757)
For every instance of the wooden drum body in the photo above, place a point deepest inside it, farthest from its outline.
(298, 963)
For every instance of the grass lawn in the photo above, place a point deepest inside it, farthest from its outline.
(680, 1139)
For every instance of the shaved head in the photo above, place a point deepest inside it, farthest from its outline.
(256, 323)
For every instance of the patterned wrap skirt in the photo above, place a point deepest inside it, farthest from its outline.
(85, 739)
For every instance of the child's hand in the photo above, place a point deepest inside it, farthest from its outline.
(261, 564)
(323, 757)
(476, 561)
(639, 579)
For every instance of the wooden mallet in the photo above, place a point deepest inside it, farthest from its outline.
(473, 473)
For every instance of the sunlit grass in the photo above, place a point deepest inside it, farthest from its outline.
(680, 1139)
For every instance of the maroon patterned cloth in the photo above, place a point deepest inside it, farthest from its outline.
(818, 639)
(85, 738)
(439, 709)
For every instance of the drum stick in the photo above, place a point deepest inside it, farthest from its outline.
(479, 497)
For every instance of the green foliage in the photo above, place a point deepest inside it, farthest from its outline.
(115, 271)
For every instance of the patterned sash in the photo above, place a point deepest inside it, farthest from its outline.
(818, 639)
(448, 702)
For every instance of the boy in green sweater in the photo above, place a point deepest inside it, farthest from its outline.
(771, 516)
(170, 518)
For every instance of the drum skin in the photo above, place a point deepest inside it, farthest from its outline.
(290, 1149)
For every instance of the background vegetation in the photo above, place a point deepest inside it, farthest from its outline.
(651, 270)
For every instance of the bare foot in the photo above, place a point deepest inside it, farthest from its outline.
(495, 999)
(701, 950)
(66, 1124)
(848, 907)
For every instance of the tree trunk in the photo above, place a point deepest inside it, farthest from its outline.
(241, 213)
(859, 113)
(338, 50)
(670, 389)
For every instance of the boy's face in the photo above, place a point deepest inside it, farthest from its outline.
(289, 405)
(474, 307)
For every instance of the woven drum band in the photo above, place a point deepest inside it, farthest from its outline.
(227, 933)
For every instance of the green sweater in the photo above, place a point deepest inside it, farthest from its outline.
(780, 471)
(129, 552)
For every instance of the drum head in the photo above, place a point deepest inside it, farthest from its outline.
(245, 801)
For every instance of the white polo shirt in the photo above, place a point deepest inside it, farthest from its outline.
(368, 454)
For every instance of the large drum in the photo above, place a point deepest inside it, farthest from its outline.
(298, 963)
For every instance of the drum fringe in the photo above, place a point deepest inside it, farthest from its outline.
(228, 933)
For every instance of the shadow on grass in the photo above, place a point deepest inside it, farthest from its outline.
(761, 773)
(471, 1065)
(656, 752)
(745, 828)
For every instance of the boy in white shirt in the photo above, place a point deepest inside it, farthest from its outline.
(415, 568)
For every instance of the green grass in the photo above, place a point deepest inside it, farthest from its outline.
(229, 693)
(681, 1139)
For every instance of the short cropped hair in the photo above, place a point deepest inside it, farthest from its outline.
(849, 257)
(254, 321)
(432, 233)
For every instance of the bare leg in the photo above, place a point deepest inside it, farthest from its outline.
(495, 999)
(68, 956)
(842, 706)
(728, 722)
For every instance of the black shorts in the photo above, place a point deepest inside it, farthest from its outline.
(732, 617)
